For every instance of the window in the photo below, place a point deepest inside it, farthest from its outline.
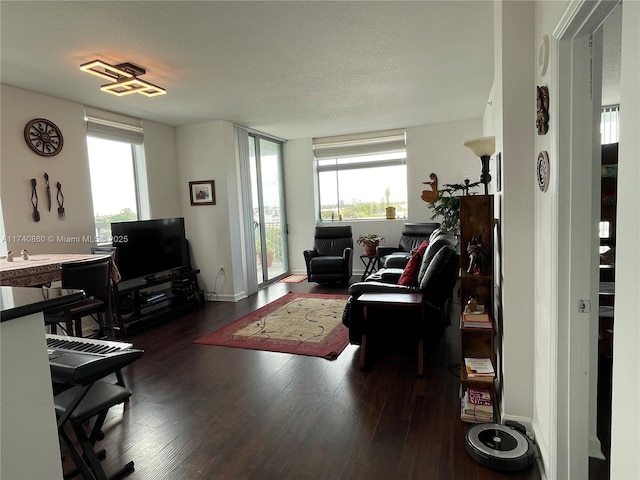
(113, 185)
(610, 124)
(112, 143)
(359, 176)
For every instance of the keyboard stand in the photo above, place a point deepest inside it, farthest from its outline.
(87, 398)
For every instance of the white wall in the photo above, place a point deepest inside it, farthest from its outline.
(625, 434)
(510, 116)
(161, 170)
(625, 462)
(206, 151)
(18, 164)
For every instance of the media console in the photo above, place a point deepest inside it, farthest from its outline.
(144, 301)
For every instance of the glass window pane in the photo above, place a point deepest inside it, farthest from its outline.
(113, 186)
(361, 184)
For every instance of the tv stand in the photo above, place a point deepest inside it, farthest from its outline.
(144, 301)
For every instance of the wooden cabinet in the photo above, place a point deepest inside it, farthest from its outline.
(477, 279)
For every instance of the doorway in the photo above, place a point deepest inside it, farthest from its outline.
(268, 208)
(579, 53)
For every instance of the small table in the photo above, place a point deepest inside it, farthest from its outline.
(369, 262)
(396, 300)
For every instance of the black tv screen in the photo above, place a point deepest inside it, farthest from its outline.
(147, 247)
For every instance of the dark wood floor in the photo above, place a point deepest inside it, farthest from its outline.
(205, 412)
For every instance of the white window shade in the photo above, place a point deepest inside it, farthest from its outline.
(112, 126)
(374, 143)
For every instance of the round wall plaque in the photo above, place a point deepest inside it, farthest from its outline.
(543, 171)
(543, 55)
(43, 137)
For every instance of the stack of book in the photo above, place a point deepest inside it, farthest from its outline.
(476, 319)
(476, 406)
(479, 368)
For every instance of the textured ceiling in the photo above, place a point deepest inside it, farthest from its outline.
(294, 69)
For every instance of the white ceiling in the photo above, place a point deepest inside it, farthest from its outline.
(293, 69)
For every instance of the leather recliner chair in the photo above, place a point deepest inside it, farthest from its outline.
(331, 259)
(413, 234)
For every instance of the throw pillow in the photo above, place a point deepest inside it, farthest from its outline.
(409, 275)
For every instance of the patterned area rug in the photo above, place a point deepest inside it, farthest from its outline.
(294, 279)
(298, 323)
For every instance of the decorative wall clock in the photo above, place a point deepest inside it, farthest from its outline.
(43, 137)
(543, 171)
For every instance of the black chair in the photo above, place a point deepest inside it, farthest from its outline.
(93, 277)
(331, 259)
(113, 251)
(413, 234)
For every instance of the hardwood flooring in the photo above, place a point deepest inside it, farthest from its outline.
(206, 412)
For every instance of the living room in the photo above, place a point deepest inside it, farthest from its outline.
(174, 156)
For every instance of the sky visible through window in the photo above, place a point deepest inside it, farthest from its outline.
(112, 178)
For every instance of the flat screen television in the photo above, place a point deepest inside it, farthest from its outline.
(148, 247)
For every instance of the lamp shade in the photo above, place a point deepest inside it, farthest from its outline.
(481, 146)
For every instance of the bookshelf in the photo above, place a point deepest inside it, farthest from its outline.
(477, 279)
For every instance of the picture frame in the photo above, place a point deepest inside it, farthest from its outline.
(202, 192)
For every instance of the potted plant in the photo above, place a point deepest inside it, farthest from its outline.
(370, 241)
(447, 205)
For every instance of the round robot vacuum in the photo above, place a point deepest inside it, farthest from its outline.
(500, 447)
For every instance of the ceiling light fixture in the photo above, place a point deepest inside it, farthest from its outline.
(124, 78)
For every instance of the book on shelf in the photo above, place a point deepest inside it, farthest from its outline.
(476, 406)
(479, 367)
(480, 397)
(478, 318)
(469, 322)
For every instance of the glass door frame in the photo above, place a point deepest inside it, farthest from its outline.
(260, 225)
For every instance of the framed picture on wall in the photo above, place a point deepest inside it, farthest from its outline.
(202, 192)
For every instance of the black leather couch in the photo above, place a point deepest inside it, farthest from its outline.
(413, 234)
(331, 259)
(395, 262)
(436, 279)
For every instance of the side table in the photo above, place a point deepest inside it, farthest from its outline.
(369, 262)
(396, 300)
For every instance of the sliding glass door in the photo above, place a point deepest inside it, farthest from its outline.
(269, 219)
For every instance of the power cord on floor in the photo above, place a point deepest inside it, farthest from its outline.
(215, 284)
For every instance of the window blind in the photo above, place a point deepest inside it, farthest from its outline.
(112, 126)
(610, 124)
(374, 143)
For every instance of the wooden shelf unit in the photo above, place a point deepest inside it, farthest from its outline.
(477, 218)
(141, 302)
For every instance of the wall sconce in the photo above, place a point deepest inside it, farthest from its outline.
(124, 78)
(483, 147)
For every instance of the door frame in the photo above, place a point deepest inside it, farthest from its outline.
(573, 118)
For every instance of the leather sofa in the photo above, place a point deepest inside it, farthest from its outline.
(396, 262)
(413, 234)
(436, 279)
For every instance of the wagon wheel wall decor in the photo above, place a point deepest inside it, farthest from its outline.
(43, 137)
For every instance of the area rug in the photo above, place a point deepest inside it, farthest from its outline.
(298, 323)
(294, 279)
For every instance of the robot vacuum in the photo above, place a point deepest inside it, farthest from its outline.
(501, 447)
